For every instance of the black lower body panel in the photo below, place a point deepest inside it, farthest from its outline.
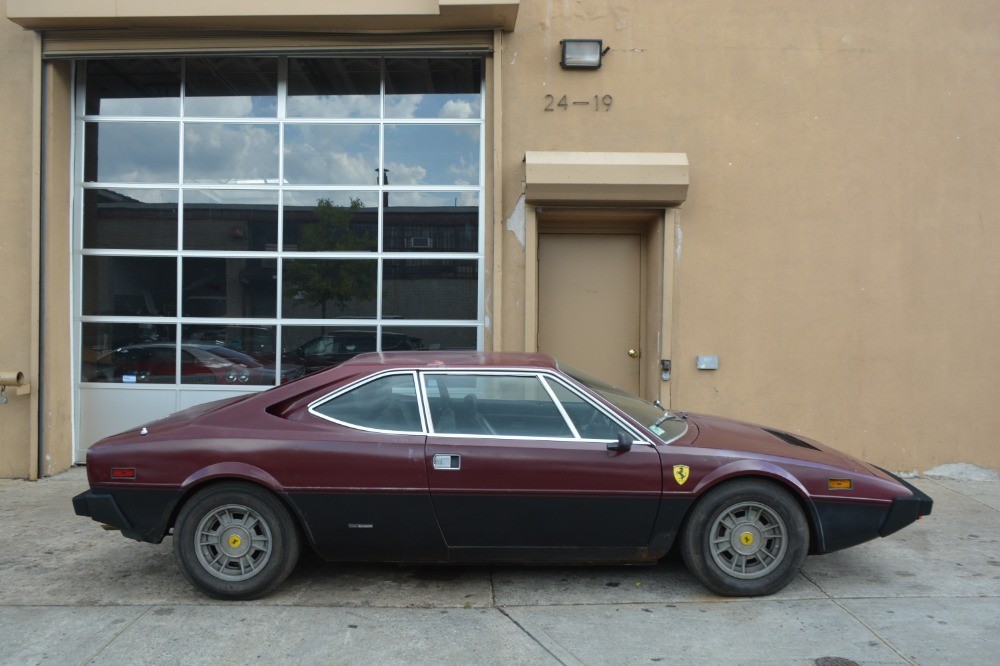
(140, 514)
(370, 526)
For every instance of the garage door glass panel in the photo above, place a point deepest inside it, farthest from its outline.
(432, 154)
(433, 88)
(129, 152)
(230, 153)
(238, 348)
(130, 219)
(326, 288)
(330, 221)
(111, 352)
(331, 154)
(230, 220)
(315, 348)
(429, 289)
(229, 287)
(334, 88)
(430, 337)
(231, 87)
(388, 403)
(121, 87)
(129, 286)
(423, 221)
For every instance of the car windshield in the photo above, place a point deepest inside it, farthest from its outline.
(664, 424)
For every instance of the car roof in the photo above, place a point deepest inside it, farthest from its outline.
(433, 359)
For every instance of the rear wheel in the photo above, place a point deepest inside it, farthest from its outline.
(746, 538)
(236, 541)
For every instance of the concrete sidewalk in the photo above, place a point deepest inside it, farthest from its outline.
(71, 593)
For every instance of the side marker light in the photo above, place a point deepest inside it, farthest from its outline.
(123, 472)
(840, 484)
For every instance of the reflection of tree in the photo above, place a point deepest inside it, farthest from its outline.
(323, 280)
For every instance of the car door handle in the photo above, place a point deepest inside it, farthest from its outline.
(445, 461)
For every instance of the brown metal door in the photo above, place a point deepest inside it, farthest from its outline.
(589, 303)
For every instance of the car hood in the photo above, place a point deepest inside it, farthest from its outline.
(725, 434)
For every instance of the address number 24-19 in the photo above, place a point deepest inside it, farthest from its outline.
(599, 102)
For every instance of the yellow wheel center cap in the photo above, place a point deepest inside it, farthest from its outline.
(746, 538)
(235, 541)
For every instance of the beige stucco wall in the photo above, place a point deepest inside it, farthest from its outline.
(16, 76)
(839, 248)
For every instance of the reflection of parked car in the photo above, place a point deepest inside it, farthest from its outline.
(480, 457)
(155, 363)
(334, 348)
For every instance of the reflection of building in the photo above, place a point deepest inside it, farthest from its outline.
(227, 186)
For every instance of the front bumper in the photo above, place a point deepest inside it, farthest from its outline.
(844, 524)
(905, 510)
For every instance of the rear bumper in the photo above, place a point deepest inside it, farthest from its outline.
(102, 507)
(143, 515)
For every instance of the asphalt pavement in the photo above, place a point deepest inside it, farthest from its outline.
(72, 593)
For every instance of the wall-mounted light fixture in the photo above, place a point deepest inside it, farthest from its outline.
(582, 53)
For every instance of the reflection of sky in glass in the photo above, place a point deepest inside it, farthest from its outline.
(432, 154)
(460, 107)
(331, 154)
(132, 153)
(434, 199)
(140, 87)
(333, 88)
(230, 153)
(231, 107)
(231, 87)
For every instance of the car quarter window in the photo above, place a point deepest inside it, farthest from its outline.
(589, 421)
(499, 405)
(388, 403)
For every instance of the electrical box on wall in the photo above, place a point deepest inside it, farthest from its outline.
(708, 362)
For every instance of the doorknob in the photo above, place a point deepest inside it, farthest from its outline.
(633, 353)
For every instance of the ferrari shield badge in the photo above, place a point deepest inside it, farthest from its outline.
(681, 473)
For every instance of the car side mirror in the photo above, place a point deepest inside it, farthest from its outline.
(624, 443)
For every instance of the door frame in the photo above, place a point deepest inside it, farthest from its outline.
(656, 230)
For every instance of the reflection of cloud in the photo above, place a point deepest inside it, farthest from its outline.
(333, 106)
(401, 174)
(146, 106)
(136, 152)
(222, 152)
(402, 106)
(331, 154)
(457, 108)
(464, 173)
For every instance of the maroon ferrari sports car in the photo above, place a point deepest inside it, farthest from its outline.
(429, 456)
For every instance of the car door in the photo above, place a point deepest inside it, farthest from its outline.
(364, 494)
(512, 472)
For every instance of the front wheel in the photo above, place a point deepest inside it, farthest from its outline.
(745, 538)
(236, 541)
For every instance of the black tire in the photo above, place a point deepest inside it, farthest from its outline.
(745, 538)
(247, 556)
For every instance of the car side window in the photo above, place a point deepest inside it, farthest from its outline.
(589, 421)
(493, 405)
(388, 403)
